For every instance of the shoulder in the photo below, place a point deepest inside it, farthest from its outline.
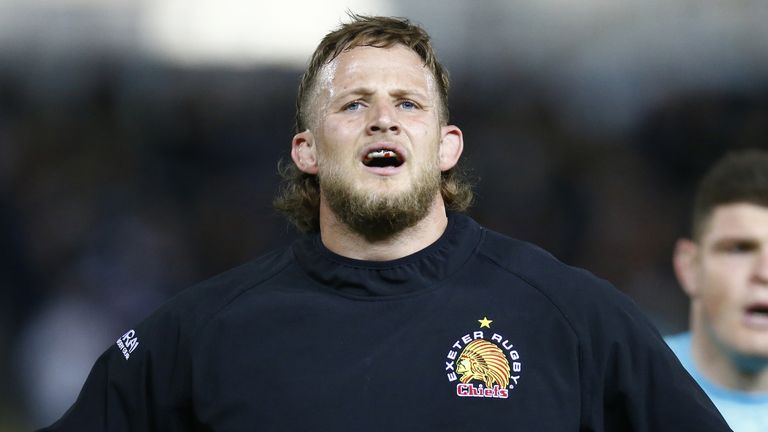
(186, 313)
(575, 291)
(196, 304)
(680, 343)
(601, 316)
(180, 318)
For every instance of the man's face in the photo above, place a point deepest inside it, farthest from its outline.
(729, 281)
(377, 135)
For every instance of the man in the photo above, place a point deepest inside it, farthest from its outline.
(724, 270)
(394, 314)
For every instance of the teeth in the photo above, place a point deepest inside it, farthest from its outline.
(381, 154)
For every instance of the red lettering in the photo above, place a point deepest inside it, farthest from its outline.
(469, 390)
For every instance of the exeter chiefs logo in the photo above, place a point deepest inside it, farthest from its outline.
(483, 361)
(484, 367)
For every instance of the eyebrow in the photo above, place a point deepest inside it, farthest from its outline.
(366, 91)
(730, 239)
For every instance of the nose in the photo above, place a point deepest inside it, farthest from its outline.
(383, 119)
(761, 267)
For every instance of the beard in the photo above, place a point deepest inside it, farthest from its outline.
(377, 215)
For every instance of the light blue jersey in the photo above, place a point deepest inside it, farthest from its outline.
(744, 412)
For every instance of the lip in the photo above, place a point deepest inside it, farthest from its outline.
(383, 171)
(753, 320)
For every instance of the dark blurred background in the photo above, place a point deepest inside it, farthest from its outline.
(139, 142)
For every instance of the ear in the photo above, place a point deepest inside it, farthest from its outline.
(304, 152)
(685, 261)
(451, 146)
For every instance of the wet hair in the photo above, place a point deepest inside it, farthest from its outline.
(299, 197)
(739, 177)
(373, 31)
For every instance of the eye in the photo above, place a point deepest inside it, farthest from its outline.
(738, 246)
(742, 247)
(353, 106)
(408, 105)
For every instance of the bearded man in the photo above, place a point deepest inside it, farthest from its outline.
(394, 312)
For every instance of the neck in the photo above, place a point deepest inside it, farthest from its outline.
(340, 239)
(724, 368)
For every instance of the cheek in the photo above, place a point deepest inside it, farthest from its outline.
(426, 141)
(341, 131)
(425, 126)
(336, 142)
(719, 295)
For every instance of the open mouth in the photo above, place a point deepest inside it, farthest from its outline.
(758, 311)
(382, 158)
(756, 316)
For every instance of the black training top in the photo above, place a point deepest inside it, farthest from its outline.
(476, 332)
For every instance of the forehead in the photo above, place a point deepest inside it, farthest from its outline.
(737, 220)
(367, 66)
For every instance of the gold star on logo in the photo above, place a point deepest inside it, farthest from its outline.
(485, 322)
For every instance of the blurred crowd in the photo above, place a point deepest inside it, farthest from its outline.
(122, 183)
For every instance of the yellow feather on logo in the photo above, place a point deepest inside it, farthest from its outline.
(483, 361)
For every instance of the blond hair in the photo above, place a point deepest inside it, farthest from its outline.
(299, 196)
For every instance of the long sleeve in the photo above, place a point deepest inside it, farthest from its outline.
(643, 385)
(141, 383)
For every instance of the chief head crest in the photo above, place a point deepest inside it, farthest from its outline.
(484, 361)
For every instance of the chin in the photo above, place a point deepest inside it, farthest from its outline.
(385, 185)
(751, 361)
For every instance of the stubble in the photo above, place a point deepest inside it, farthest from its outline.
(378, 214)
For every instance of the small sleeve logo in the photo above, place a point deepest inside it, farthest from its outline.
(127, 343)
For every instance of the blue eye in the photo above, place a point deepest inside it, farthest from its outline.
(353, 106)
(408, 105)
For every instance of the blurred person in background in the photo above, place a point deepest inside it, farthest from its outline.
(394, 311)
(723, 268)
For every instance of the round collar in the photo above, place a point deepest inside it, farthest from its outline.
(411, 274)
